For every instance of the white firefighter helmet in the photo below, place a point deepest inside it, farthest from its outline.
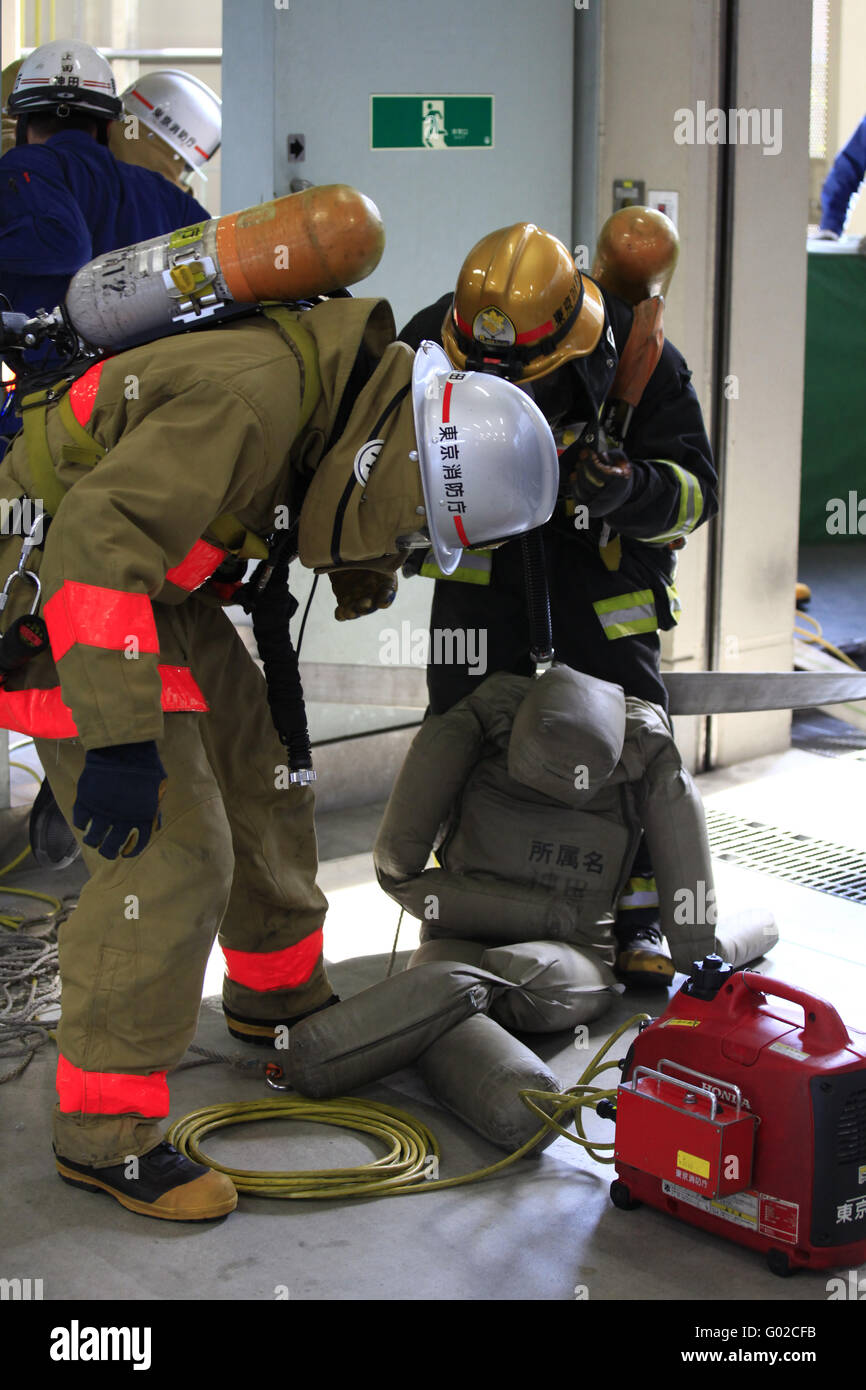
(488, 461)
(181, 110)
(65, 76)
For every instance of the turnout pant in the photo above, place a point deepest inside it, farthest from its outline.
(236, 852)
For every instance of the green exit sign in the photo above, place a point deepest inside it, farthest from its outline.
(431, 122)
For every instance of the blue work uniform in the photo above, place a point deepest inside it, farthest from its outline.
(843, 180)
(66, 201)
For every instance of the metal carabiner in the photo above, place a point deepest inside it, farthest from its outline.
(273, 1071)
(21, 574)
(30, 542)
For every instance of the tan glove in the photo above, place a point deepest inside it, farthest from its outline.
(359, 592)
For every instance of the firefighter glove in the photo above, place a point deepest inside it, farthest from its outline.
(361, 591)
(118, 796)
(600, 481)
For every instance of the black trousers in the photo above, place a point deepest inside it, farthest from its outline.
(497, 617)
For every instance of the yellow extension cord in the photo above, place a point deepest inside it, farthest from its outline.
(818, 639)
(13, 923)
(412, 1157)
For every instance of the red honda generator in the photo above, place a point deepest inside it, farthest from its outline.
(736, 1119)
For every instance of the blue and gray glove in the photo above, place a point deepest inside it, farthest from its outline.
(118, 796)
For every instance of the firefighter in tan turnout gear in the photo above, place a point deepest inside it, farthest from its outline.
(161, 471)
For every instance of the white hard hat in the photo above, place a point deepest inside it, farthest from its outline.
(181, 110)
(66, 73)
(488, 460)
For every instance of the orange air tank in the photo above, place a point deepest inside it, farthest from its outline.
(296, 247)
(636, 254)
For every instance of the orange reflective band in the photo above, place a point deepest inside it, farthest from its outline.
(82, 393)
(180, 692)
(197, 566)
(40, 713)
(264, 970)
(111, 1092)
(98, 617)
(43, 714)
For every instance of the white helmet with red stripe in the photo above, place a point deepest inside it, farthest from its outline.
(488, 460)
(181, 110)
(65, 76)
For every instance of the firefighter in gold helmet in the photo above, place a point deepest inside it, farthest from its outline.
(637, 477)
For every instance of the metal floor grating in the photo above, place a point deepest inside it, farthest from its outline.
(818, 864)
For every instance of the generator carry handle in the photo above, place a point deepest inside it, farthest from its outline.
(823, 1029)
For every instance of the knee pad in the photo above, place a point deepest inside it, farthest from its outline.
(477, 1070)
(557, 985)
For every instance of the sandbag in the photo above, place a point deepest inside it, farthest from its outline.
(384, 1028)
(746, 936)
(453, 948)
(567, 719)
(477, 1069)
(558, 985)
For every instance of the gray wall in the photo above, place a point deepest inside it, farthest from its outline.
(331, 55)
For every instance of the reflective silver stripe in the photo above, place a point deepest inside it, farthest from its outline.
(691, 507)
(638, 900)
(474, 568)
(627, 614)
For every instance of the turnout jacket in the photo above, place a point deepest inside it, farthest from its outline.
(203, 453)
(630, 555)
(533, 794)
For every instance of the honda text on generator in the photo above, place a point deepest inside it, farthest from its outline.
(735, 1118)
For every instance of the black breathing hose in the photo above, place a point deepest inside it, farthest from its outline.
(537, 596)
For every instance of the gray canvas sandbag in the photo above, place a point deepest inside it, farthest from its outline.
(745, 936)
(385, 1027)
(477, 1069)
(558, 985)
(453, 948)
(567, 719)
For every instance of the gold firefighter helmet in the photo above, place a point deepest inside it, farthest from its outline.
(521, 306)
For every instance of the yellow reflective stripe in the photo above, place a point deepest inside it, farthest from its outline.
(474, 568)
(627, 614)
(674, 601)
(691, 507)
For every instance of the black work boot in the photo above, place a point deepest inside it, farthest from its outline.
(166, 1185)
(263, 1031)
(640, 958)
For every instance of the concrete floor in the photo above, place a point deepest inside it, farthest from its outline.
(543, 1231)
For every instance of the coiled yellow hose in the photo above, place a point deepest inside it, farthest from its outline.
(411, 1161)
